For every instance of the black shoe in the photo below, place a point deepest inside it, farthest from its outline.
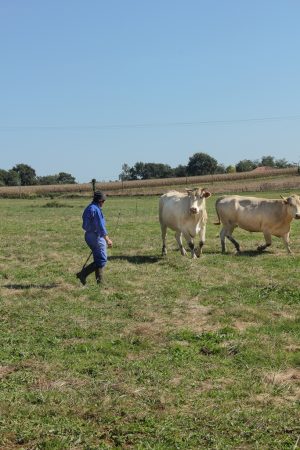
(81, 277)
(99, 275)
(85, 272)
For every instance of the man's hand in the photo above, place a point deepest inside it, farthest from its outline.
(109, 242)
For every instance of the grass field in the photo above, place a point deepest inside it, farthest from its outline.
(171, 353)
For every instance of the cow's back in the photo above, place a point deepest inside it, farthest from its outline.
(250, 213)
(173, 209)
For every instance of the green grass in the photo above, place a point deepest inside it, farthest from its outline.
(171, 353)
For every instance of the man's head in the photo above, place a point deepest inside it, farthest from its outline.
(99, 197)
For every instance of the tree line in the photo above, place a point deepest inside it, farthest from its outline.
(24, 175)
(198, 164)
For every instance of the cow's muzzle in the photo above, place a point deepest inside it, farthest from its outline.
(297, 216)
(193, 210)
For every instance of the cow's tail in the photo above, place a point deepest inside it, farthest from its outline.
(219, 221)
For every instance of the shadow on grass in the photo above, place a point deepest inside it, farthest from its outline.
(252, 253)
(30, 286)
(138, 259)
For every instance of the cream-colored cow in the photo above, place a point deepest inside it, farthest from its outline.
(185, 213)
(271, 217)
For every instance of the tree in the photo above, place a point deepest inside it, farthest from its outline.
(156, 170)
(267, 161)
(201, 164)
(3, 177)
(220, 168)
(65, 178)
(26, 173)
(245, 165)
(230, 169)
(125, 174)
(136, 172)
(12, 178)
(283, 163)
(180, 171)
(47, 180)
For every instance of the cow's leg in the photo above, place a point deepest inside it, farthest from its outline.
(286, 241)
(268, 239)
(191, 244)
(227, 232)
(163, 236)
(222, 237)
(178, 237)
(202, 239)
(235, 243)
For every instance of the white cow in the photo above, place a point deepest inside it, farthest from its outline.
(271, 217)
(185, 213)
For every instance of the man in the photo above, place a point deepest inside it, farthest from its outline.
(96, 238)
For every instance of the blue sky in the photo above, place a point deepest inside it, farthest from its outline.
(89, 85)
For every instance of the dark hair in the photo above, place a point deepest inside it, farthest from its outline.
(99, 196)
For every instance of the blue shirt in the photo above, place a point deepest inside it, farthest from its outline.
(93, 220)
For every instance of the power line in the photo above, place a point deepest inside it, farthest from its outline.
(143, 125)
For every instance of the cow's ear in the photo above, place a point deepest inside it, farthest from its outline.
(206, 193)
(285, 200)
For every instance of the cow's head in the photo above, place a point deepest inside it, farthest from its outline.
(293, 203)
(197, 198)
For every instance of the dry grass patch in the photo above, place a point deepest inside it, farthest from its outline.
(44, 384)
(155, 329)
(194, 316)
(283, 314)
(6, 371)
(185, 314)
(292, 348)
(241, 325)
(289, 376)
(287, 383)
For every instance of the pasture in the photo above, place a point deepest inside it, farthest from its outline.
(171, 353)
